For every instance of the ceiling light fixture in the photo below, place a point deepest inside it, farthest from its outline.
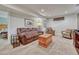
(42, 10)
(66, 12)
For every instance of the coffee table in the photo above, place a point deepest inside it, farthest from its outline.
(44, 40)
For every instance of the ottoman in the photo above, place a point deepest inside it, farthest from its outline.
(44, 40)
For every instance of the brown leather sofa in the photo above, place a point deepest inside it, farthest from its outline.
(27, 35)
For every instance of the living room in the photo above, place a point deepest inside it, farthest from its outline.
(25, 20)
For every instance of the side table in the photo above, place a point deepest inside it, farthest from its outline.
(14, 40)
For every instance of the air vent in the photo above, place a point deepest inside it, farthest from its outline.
(77, 5)
(58, 18)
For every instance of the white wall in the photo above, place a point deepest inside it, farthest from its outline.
(15, 22)
(70, 22)
(78, 21)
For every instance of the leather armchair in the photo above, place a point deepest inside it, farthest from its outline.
(67, 33)
(50, 31)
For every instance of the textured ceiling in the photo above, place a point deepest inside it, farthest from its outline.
(50, 10)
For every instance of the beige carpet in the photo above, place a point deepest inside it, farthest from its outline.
(59, 46)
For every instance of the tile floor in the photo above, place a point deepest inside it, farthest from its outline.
(59, 46)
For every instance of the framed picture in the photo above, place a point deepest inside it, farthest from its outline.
(28, 22)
